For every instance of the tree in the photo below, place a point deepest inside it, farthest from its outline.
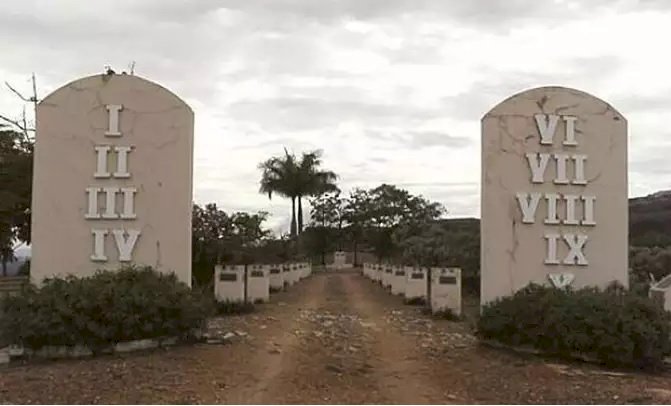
(389, 208)
(280, 175)
(295, 179)
(356, 214)
(277, 250)
(429, 246)
(325, 229)
(218, 237)
(313, 181)
(647, 264)
(16, 168)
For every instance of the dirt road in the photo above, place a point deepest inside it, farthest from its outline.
(333, 338)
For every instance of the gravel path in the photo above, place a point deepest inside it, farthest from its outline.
(333, 338)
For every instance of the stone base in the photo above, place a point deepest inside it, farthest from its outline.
(59, 352)
(15, 352)
(167, 342)
(136, 345)
(4, 357)
(534, 351)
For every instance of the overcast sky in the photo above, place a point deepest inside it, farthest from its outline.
(391, 90)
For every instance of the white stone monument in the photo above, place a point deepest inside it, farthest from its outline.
(446, 290)
(229, 283)
(554, 192)
(378, 271)
(294, 273)
(276, 277)
(415, 283)
(112, 180)
(398, 281)
(258, 283)
(661, 291)
(367, 270)
(339, 260)
(387, 275)
(287, 275)
(305, 269)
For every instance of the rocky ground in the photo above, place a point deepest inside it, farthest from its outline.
(333, 338)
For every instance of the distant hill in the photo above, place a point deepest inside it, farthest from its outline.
(650, 220)
(461, 224)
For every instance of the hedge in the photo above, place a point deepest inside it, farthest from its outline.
(131, 303)
(614, 326)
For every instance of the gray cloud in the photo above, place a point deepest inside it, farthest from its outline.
(485, 94)
(448, 185)
(419, 139)
(652, 160)
(632, 103)
(434, 139)
(372, 9)
(484, 14)
(276, 145)
(309, 113)
(59, 42)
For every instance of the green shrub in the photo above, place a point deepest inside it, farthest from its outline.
(97, 311)
(229, 307)
(615, 327)
(646, 262)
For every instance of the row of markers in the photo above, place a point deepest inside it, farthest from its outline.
(254, 283)
(438, 287)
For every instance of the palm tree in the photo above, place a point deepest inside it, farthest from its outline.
(295, 179)
(279, 176)
(313, 181)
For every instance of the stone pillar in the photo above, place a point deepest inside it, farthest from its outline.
(340, 260)
(276, 277)
(378, 273)
(554, 192)
(294, 273)
(287, 275)
(446, 290)
(387, 276)
(258, 283)
(415, 285)
(398, 281)
(229, 283)
(112, 182)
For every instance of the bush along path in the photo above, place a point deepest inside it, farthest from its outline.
(333, 338)
(109, 311)
(613, 327)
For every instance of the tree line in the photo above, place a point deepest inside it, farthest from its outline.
(16, 168)
(385, 221)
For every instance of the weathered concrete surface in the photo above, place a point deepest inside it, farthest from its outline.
(514, 248)
(157, 128)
